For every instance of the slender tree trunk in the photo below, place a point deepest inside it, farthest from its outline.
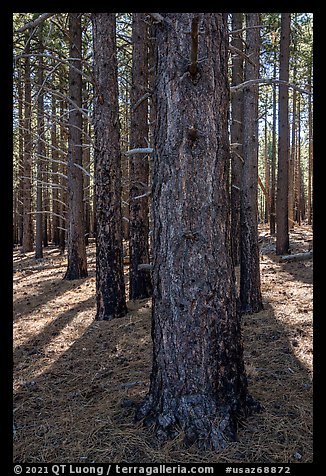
(63, 167)
(198, 380)
(110, 287)
(40, 154)
(236, 138)
(86, 165)
(77, 263)
(266, 163)
(20, 209)
(292, 155)
(139, 280)
(310, 159)
(27, 168)
(282, 221)
(250, 292)
(273, 168)
(152, 122)
(54, 169)
(299, 163)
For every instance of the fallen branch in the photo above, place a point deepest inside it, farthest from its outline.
(297, 256)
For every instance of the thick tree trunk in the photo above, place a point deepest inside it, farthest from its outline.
(236, 138)
(250, 292)
(198, 380)
(282, 222)
(77, 263)
(27, 167)
(110, 287)
(140, 285)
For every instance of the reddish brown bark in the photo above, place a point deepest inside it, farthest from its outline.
(110, 287)
(198, 380)
(139, 280)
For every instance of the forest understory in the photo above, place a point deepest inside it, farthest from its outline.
(77, 381)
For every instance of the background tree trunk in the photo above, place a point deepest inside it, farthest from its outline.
(40, 153)
(250, 291)
(77, 263)
(292, 155)
(273, 166)
(27, 167)
(198, 380)
(139, 280)
(54, 169)
(236, 138)
(110, 287)
(282, 221)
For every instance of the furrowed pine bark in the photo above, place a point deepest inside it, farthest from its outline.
(110, 286)
(198, 381)
(236, 137)
(27, 166)
(77, 262)
(140, 285)
(282, 223)
(250, 290)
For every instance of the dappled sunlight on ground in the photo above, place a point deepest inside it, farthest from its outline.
(77, 381)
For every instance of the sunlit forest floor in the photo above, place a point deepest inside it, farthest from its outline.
(77, 381)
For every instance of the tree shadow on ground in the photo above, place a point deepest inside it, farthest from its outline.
(81, 407)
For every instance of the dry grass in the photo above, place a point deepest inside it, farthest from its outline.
(76, 381)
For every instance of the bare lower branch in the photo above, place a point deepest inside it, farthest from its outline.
(255, 82)
(140, 150)
(241, 53)
(34, 23)
(84, 170)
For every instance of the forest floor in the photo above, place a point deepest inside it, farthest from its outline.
(76, 380)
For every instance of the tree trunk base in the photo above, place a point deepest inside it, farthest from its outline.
(199, 417)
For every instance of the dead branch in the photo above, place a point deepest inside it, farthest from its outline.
(34, 23)
(297, 256)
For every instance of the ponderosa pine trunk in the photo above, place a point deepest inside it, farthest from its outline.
(140, 285)
(236, 137)
(198, 382)
(282, 222)
(292, 155)
(77, 262)
(250, 290)
(110, 286)
(27, 165)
